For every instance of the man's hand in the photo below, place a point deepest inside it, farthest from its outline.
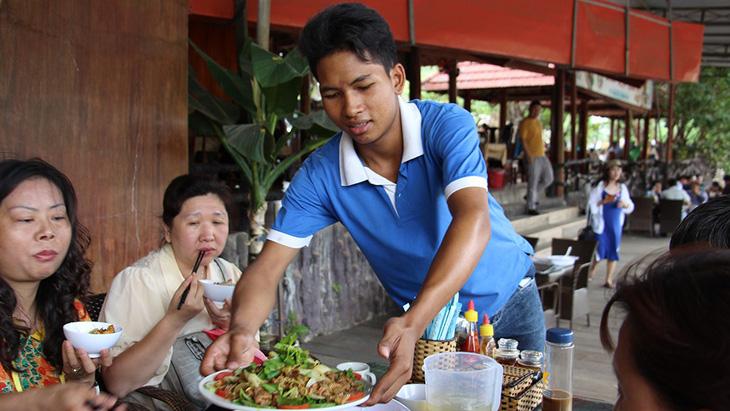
(397, 345)
(232, 350)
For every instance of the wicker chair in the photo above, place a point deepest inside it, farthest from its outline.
(175, 401)
(642, 219)
(574, 287)
(670, 215)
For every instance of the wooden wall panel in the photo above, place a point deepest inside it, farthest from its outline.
(99, 89)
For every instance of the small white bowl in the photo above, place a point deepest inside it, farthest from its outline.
(79, 334)
(217, 292)
(413, 396)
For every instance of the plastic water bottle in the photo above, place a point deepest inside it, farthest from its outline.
(558, 395)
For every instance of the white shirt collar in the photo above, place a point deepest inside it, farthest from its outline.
(352, 170)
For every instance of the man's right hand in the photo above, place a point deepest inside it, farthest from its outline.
(232, 350)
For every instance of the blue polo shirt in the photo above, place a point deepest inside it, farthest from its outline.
(399, 227)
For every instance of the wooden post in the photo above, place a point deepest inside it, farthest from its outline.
(670, 125)
(627, 135)
(467, 100)
(414, 75)
(645, 146)
(573, 115)
(583, 129)
(557, 141)
(503, 114)
(611, 134)
(453, 73)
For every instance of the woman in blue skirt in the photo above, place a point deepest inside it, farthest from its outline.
(609, 202)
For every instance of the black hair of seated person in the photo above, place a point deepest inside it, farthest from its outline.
(187, 186)
(351, 27)
(678, 317)
(709, 223)
(56, 294)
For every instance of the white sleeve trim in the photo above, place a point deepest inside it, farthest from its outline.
(288, 240)
(471, 181)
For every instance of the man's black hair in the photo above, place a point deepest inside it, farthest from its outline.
(351, 27)
(708, 224)
(534, 103)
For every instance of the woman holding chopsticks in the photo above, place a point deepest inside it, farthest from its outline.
(44, 274)
(157, 299)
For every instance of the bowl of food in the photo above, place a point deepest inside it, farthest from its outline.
(218, 291)
(413, 396)
(92, 336)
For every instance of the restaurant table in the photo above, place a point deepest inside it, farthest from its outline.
(579, 403)
(545, 272)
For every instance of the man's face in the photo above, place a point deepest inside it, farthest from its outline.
(360, 97)
(535, 111)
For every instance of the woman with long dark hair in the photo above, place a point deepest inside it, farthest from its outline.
(673, 351)
(44, 273)
(608, 203)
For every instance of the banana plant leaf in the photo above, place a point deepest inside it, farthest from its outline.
(273, 70)
(248, 140)
(237, 87)
(200, 99)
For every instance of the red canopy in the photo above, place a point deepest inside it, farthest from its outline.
(534, 30)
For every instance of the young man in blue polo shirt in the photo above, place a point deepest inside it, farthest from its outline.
(410, 184)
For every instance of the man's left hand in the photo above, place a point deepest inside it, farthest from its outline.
(397, 345)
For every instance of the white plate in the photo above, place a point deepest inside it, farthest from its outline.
(222, 402)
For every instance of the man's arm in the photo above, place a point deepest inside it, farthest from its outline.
(458, 255)
(522, 131)
(253, 300)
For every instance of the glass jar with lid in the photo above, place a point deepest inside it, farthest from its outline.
(507, 353)
(530, 359)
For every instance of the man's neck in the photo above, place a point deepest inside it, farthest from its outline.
(383, 157)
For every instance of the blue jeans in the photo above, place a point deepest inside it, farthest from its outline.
(521, 318)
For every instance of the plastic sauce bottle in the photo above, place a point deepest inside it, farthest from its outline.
(472, 335)
(558, 395)
(486, 332)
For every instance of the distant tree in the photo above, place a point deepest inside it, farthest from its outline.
(702, 117)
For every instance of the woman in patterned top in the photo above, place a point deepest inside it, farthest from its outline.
(43, 273)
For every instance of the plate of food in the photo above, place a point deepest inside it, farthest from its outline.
(289, 379)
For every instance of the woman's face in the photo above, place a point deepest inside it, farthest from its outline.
(201, 225)
(35, 232)
(635, 392)
(614, 174)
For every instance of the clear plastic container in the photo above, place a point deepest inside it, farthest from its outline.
(462, 381)
(559, 364)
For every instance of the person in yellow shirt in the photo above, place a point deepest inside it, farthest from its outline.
(539, 169)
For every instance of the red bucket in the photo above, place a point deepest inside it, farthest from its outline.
(496, 178)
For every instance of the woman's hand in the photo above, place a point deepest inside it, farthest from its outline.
(193, 304)
(79, 367)
(622, 204)
(220, 316)
(60, 397)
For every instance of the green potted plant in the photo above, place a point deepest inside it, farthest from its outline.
(258, 120)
